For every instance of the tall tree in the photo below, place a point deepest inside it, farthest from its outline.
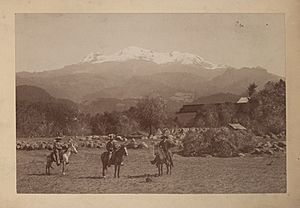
(151, 112)
(270, 113)
(252, 89)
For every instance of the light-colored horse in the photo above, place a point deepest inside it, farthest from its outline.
(64, 158)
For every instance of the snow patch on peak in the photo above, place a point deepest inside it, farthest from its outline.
(92, 57)
(137, 53)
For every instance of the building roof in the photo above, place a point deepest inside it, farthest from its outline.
(194, 108)
(243, 100)
(190, 108)
(237, 126)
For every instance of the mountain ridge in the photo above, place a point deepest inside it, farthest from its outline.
(135, 78)
(137, 53)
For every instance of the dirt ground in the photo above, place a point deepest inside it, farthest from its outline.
(190, 175)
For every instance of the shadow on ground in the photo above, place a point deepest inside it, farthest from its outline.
(40, 174)
(142, 176)
(92, 177)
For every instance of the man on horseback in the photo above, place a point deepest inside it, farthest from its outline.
(111, 148)
(165, 146)
(57, 147)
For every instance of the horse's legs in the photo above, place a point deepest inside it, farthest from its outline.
(158, 167)
(167, 165)
(103, 171)
(63, 168)
(161, 169)
(117, 171)
(48, 165)
(119, 166)
(115, 174)
(104, 160)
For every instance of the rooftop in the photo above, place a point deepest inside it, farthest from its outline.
(237, 126)
(243, 100)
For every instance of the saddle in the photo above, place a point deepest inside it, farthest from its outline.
(60, 154)
(162, 155)
(159, 152)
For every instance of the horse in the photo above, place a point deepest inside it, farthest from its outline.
(64, 158)
(161, 159)
(117, 160)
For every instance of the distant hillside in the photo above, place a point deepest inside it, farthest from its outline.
(218, 98)
(40, 114)
(236, 81)
(107, 105)
(134, 72)
(32, 94)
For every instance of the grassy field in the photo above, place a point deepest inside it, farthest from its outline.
(191, 175)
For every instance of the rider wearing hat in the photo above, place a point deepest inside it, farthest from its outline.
(165, 145)
(111, 148)
(57, 147)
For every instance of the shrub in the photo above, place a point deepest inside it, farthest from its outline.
(221, 142)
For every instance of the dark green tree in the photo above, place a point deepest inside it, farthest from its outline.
(251, 89)
(151, 113)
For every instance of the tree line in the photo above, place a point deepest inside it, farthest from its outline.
(265, 112)
(45, 119)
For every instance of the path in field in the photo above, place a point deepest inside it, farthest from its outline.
(190, 175)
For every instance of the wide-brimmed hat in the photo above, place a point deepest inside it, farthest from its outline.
(111, 136)
(58, 139)
(164, 137)
(165, 131)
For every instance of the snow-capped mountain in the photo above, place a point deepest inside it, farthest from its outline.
(136, 72)
(136, 53)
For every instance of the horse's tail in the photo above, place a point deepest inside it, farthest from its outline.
(49, 160)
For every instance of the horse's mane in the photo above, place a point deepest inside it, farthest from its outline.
(68, 148)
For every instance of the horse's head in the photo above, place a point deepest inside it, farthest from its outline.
(123, 147)
(73, 148)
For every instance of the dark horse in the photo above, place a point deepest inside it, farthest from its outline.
(117, 160)
(161, 159)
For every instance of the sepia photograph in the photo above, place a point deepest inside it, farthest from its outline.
(150, 103)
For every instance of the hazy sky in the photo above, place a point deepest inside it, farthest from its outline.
(50, 41)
